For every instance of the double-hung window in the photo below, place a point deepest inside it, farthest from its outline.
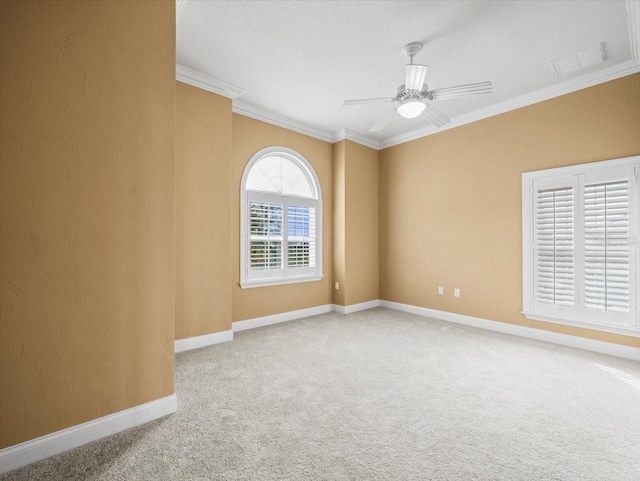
(580, 245)
(280, 220)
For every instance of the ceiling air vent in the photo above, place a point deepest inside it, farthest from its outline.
(579, 60)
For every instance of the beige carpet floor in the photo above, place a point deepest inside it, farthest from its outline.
(379, 395)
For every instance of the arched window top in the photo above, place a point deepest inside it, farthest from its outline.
(281, 173)
(280, 220)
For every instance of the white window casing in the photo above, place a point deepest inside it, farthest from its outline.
(580, 231)
(280, 220)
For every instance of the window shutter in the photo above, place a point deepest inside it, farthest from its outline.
(301, 240)
(281, 220)
(607, 256)
(580, 231)
(554, 262)
(265, 221)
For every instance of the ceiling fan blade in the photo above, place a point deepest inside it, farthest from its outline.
(435, 116)
(382, 123)
(460, 91)
(348, 103)
(415, 77)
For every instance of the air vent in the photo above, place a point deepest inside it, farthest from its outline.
(579, 60)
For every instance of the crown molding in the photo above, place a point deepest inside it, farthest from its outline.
(346, 134)
(616, 71)
(613, 72)
(206, 82)
(629, 67)
(257, 113)
(633, 16)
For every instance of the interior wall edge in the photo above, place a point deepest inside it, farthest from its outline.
(28, 452)
(602, 347)
(262, 321)
(196, 342)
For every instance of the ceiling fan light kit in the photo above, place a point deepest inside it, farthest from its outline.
(414, 94)
(411, 109)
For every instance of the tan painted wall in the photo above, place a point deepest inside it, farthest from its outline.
(361, 223)
(250, 136)
(339, 227)
(355, 174)
(450, 203)
(87, 193)
(203, 212)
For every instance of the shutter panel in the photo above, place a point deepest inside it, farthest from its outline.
(265, 223)
(607, 256)
(581, 260)
(301, 240)
(554, 262)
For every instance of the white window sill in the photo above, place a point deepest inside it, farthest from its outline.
(277, 282)
(613, 329)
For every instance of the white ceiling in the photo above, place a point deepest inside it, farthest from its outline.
(297, 61)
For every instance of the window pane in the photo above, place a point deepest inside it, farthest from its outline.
(266, 255)
(298, 218)
(265, 219)
(298, 254)
(265, 235)
(301, 238)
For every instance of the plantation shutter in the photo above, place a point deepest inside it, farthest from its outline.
(280, 220)
(265, 237)
(581, 232)
(554, 259)
(283, 236)
(606, 224)
(301, 241)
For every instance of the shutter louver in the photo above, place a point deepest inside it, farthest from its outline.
(301, 242)
(555, 247)
(581, 258)
(607, 259)
(281, 220)
(265, 221)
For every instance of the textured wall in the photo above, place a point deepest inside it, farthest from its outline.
(203, 212)
(87, 194)
(339, 226)
(250, 136)
(361, 223)
(451, 202)
(355, 213)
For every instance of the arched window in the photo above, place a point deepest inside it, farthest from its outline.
(281, 220)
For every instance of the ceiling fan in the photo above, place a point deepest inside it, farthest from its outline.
(414, 95)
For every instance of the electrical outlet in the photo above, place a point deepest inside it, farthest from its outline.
(456, 293)
(337, 286)
(441, 290)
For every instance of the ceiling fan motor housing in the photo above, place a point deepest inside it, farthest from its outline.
(404, 94)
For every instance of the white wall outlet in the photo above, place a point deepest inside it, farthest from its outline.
(456, 293)
(337, 286)
(441, 290)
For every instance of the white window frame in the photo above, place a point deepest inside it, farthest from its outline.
(578, 176)
(286, 275)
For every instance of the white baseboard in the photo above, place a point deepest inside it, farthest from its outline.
(602, 347)
(363, 306)
(22, 454)
(202, 341)
(278, 318)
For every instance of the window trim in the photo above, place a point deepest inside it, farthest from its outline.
(294, 156)
(528, 230)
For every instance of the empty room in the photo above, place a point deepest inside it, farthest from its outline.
(320, 240)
